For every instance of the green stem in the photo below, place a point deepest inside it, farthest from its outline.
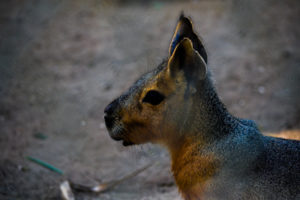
(46, 165)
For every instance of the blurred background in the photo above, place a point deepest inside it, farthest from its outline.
(62, 62)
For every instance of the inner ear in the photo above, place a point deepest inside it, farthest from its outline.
(184, 29)
(187, 60)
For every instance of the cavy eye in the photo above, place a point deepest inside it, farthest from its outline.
(153, 97)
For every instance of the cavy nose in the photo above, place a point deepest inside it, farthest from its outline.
(111, 107)
(109, 121)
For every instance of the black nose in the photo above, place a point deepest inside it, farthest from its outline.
(109, 121)
(111, 107)
(109, 110)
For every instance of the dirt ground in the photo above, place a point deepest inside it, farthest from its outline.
(62, 62)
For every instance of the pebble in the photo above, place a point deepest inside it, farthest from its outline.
(261, 89)
(83, 123)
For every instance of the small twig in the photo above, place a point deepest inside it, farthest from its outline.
(109, 185)
(95, 189)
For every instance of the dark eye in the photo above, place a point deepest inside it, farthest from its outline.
(153, 97)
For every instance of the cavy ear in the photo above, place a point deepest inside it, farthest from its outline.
(184, 29)
(187, 60)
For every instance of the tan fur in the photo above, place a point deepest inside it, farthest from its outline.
(190, 168)
(287, 134)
